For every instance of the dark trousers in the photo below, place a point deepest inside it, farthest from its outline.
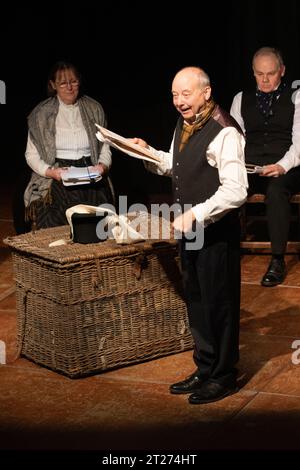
(278, 192)
(212, 287)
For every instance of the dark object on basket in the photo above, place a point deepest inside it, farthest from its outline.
(85, 228)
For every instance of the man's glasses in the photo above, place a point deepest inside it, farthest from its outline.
(73, 83)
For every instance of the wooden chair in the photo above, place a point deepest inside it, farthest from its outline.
(248, 240)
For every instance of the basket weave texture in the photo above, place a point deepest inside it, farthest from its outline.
(83, 309)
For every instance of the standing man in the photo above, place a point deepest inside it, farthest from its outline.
(206, 160)
(270, 118)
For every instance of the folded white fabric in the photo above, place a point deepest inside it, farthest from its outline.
(117, 225)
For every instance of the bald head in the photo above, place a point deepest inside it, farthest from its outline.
(195, 74)
(191, 91)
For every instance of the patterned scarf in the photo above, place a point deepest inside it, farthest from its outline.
(264, 101)
(189, 129)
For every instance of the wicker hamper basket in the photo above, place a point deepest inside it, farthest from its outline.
(83, 309)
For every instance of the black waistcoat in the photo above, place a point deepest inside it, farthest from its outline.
(194, 179)
(267, 139)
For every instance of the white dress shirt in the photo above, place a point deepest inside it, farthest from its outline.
(71, 140)
(291, 158)
(226, 153)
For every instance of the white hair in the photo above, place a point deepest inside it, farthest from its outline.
(269, 51)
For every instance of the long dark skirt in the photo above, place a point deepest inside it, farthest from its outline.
(62, 197)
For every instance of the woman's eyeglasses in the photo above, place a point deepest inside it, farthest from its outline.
(66, 83)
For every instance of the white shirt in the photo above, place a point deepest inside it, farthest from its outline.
(291, 158)
(226, 153)
(71, 140)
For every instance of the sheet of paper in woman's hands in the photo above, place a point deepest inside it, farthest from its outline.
(124, 145)
(83, 175)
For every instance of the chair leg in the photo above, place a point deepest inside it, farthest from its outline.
(298, 227)
(243, 222)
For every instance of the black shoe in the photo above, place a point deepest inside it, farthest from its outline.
(210, 392)
(275, 273)
(189, 385)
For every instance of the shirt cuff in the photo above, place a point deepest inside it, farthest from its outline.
(201, 213)
(198, 213)
(286, 165)
(43, 170)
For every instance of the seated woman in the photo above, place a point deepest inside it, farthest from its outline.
(62, 134)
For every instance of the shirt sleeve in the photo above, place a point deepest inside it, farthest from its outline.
(236, 112)
(105, 155)
(34, 160)
(226, 153)
(166, 164)
(291, 158)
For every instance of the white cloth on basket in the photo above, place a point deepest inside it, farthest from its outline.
(118, 225)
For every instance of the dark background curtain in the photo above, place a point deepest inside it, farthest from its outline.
(128, 53)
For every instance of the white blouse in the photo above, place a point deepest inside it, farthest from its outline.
(71, 140)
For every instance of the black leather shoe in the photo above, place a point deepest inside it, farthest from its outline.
(210, 392)
(275, 273)
(189, 385)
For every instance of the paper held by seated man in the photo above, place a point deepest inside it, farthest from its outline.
(254, 168)
(124, 145)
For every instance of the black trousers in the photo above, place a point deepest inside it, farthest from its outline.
(211, 278)
(278, 192)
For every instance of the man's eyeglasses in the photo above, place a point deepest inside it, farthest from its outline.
(66, 83)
